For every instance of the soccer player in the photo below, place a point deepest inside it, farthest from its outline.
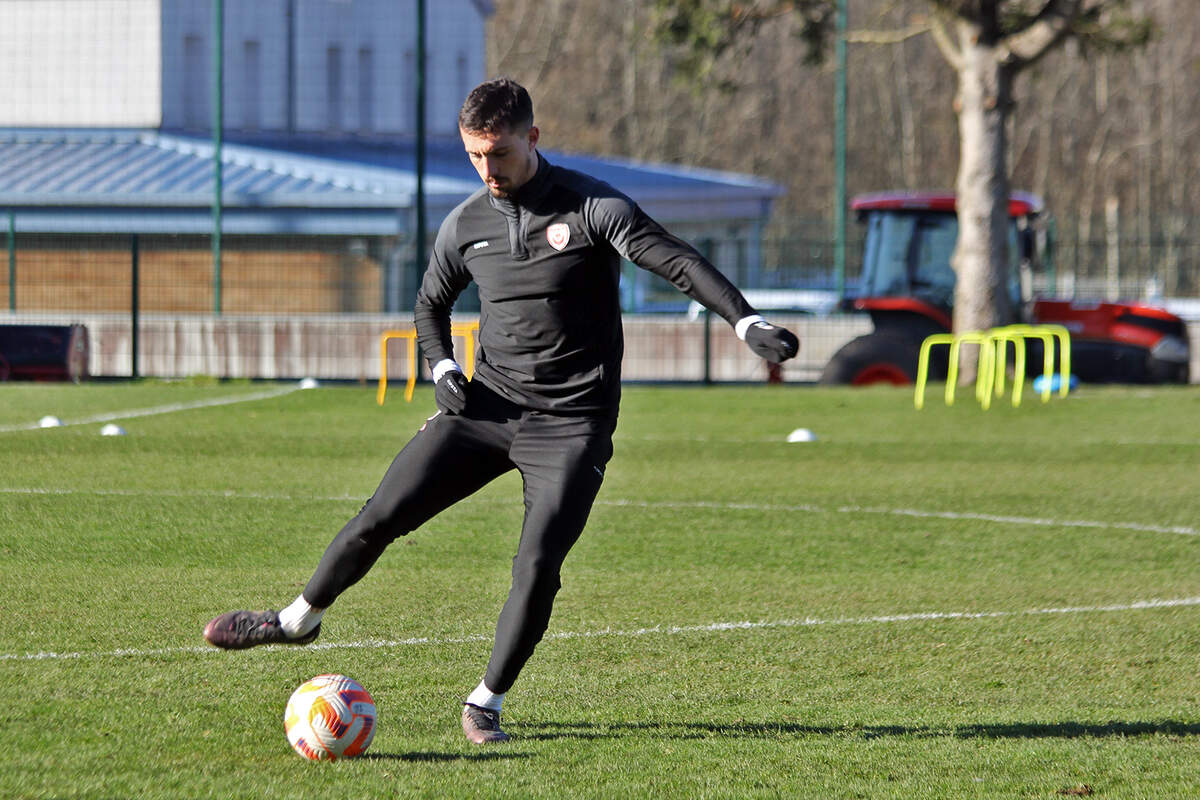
(544, 246)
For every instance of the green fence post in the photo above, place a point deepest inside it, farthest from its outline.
(218, 122)
(706, 249)
(12, 260)
(839, 156)
(419, 112)
(707, 347)
(419, 199)
(134, 303)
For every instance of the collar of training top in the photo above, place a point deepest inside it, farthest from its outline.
(533, 190)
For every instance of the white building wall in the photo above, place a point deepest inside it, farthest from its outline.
(146, 63)
(455, 40)
(374, 35)
(387, 30)
(80, 63)
(187, 86)
(382, 28)
(263, 22)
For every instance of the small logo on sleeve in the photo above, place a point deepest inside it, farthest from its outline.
(479, 245)
(558, 235)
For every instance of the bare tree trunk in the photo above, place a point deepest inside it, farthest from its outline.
(1171, 164)
(629, 82)
(981, 298)
(911, 167)
(883, 84)
(1112, 247)
(1093, 177)
(1145, 74)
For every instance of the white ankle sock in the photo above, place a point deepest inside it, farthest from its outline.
(299, 618)
(485, 697)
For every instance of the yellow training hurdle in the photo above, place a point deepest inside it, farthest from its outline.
(1048, 334)
(464, 329)
(984, 375)
(993, 368)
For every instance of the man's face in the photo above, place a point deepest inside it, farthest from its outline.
(505, 160)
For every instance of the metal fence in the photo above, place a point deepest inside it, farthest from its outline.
(314, 306)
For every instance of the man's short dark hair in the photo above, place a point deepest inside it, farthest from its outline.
(497, 105)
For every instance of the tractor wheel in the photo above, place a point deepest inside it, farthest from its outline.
(1159, 371)
(874, 358)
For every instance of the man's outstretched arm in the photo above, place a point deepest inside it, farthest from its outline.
(643, 241)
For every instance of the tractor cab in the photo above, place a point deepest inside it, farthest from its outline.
(910, 239)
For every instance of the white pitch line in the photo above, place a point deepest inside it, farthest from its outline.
(156, 410)
(223, 494)
(1181, 530)
(804, 508)
(657, 630)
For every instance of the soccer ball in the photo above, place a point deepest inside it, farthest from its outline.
(330, 717)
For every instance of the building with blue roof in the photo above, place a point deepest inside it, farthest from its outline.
(108, 181)
(114, 138)
(60, 180)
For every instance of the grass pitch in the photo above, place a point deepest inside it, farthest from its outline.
(946, 603)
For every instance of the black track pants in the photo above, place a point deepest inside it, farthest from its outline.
(561, 459)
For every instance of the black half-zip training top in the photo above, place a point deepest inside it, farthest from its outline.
(547, 265)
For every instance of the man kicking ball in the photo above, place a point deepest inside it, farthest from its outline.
(544, 246)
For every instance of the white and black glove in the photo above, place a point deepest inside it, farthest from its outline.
(450, 388)
(766, 340)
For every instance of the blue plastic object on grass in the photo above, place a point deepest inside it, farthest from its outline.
(1039, 383)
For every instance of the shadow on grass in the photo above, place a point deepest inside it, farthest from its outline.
(491, 755)
(772, 730)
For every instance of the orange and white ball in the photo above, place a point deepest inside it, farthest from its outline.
(330, 717)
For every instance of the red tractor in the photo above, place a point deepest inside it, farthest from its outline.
(907, 287)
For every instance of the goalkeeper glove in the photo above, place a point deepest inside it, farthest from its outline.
(768, 341)
(450, 393)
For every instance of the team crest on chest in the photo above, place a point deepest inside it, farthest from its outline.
(558, 235)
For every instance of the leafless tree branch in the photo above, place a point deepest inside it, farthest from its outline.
(945, 42)
(886, 37)
(1043, 32)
